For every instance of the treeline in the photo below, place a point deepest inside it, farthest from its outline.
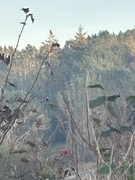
(108, 59)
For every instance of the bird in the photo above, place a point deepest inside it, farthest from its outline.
(55, 45)
(25, 10)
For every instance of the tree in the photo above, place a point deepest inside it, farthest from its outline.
(46, 48)
(80, 42)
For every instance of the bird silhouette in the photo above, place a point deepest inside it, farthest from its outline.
(55, 45)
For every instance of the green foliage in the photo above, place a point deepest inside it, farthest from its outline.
(106, 133)
(111, 109)
(45, 175)
(129, 170)
(112, 129)
(24, 160)
(131, 101)
(110, 61)
(96, 86)
(97, 121)
(126, 129)
(97, 101)
(112, 98)
(101, 100)
(104, 169)
(20, 151)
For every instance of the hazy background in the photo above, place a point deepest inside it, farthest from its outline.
(64, 18)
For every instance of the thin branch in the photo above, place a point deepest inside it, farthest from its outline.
(127, 153)
(12, 57)
(125, 171)
(11, 125)
(36, 78)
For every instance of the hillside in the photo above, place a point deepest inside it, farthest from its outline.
(61, 116)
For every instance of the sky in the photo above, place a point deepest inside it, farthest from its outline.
(63, 17)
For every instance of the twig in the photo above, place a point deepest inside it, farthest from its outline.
(127, 153)
(125, 171)
(12, 57)
(36, 78)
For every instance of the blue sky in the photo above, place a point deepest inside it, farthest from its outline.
(63, 17)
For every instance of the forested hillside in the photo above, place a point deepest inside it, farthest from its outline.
(58, 109)
(108, 58)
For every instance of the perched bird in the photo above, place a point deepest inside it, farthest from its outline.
(55, 45)
(25, 10)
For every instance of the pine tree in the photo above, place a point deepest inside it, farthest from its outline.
(47, 45)
(81, 40)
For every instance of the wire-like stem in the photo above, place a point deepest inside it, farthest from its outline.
(9, 70)
(12, 57)
(36, 78)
